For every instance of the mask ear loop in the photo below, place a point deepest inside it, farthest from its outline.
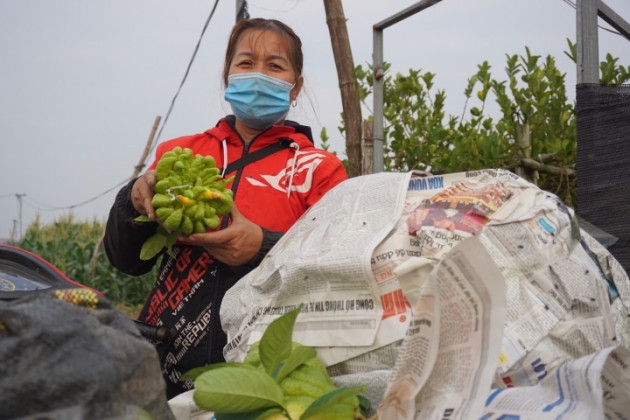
(294, 101)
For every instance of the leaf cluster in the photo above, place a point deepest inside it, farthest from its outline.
(249, 391)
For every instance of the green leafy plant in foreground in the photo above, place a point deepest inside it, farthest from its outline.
(279, 379)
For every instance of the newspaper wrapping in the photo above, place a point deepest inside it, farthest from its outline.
(444, 294)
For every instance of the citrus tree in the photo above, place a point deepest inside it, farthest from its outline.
(534, 133)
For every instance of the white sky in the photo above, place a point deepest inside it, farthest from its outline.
(81, 82)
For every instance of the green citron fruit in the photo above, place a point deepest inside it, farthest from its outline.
(161, 200)
(173, 221)
(163, 212)
(181, 207)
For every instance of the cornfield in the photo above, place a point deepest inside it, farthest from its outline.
(73, 247)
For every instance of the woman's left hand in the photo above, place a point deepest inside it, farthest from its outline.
(235, 245)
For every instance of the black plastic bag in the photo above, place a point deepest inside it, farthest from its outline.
(70, 353)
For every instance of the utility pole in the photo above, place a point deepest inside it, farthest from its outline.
(13, 232)
(241, 10)
(136, 172)
(19, 199)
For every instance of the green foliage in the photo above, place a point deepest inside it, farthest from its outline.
(279, 378)
(533, 99)
(237, 388)
(70, 245)
(611, 73)
(323, 135)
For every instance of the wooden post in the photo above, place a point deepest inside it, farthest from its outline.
(135, 173)
(523, 141)
(147, 148)
(347, 82)
(368, 149)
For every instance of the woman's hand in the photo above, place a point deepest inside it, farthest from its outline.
(142, 193)
(235, 245)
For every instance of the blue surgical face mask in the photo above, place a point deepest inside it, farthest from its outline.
(258, 100)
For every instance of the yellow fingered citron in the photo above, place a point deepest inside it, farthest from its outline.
(186, 186)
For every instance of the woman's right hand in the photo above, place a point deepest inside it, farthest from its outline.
(142, 194)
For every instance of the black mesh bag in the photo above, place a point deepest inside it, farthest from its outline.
(603, 162)
(71, 354)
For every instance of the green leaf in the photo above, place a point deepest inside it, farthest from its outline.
(475, 111)
(298, 356)
(142, 218)
(276, 343)
(236, 389)
(251, 415)
(152, 246)
(195, 372)
(171, 238)
(328, 400)
(364, 403)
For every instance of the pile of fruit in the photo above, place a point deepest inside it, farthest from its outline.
(190, 197)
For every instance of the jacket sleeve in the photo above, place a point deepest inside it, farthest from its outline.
(269, 240)
(124, 236)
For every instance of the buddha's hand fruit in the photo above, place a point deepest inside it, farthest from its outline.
(279, 379)
(190, 197)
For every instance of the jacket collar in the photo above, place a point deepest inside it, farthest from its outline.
(301, 134)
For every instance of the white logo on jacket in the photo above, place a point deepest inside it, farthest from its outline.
(298, 174)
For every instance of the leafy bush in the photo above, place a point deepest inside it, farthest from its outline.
(533, 105)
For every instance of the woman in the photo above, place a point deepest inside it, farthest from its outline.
(279, 174)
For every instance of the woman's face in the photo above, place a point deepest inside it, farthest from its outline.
(266, 52)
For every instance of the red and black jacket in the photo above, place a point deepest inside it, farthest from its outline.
(272, 191)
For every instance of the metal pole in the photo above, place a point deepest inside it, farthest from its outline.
(613, 19)
(378, 130)
(587, 42)
(241, 10)
(379, 74)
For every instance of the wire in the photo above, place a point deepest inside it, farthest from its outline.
(205, 26)
(570, 3)
(45, 207)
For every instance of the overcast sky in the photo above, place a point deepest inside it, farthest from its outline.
(81, 82)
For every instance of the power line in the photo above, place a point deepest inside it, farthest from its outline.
(205, 26)
(46, 207)
(574, 6)
(43, 206)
